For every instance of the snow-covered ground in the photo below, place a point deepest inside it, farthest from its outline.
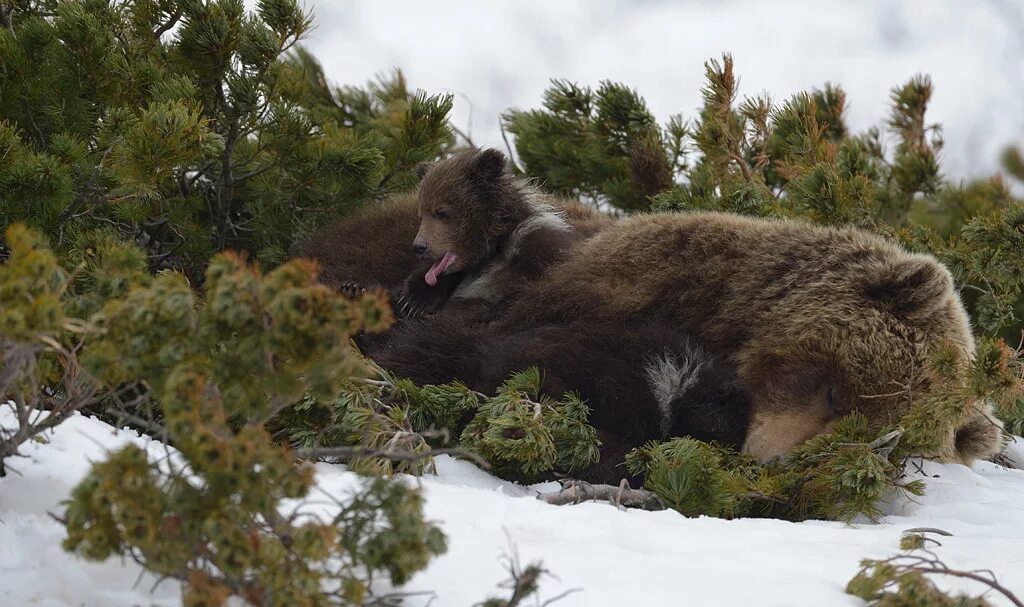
(497, 55)
(614, 557)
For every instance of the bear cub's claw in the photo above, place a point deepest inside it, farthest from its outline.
(416, 298)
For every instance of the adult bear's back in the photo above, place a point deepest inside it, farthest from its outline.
(819, 321)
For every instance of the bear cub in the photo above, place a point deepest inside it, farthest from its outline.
(367, 249)
(500, 231)
(484, 234)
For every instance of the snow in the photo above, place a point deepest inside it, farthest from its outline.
(34, 570)
(494, 56)
(614, 557)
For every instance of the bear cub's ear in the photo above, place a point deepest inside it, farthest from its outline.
(422, 168)
(490, 164)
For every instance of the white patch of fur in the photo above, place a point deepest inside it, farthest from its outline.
(670, 375)
(544, 217)
(479, 286)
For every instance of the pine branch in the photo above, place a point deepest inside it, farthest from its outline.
(523, 582)
(903, 564)
(43, 409)
(165, 27)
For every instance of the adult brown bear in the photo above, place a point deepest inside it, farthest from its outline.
(816, 321)
(641, 378)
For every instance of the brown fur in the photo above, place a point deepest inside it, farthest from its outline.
(817, 321)
(373, 248)
(641, 379)
(503, 232)
(469, 204)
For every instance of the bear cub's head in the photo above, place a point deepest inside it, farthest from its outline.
(468, 205)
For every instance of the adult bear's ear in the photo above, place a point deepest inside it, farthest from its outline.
(422, 168)
(490, 164)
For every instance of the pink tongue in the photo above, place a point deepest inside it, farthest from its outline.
(438, 268)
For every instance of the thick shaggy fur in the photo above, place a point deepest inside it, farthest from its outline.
(485, 204)
(371, 248)
(817, 321)
(642, 379)
(502, 233)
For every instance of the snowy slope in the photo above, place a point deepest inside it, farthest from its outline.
(497, 55)
(615, 557)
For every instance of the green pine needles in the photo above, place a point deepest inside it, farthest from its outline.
(191, 127)
(906, 580)
(211, 512)
(396, 426)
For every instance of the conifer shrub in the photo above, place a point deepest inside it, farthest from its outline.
(190, 127)
(147, 136)
(907, 579)
(396, 426)
(602, 144)
(211, 509)
(798, 159)
(41, 383)
(835, 476)
(522, 434)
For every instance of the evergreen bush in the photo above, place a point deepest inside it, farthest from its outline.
(211, 510)
(190, 127)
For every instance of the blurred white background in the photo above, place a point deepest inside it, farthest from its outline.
(496, 55)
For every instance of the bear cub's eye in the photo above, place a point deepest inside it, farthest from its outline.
(441, 214)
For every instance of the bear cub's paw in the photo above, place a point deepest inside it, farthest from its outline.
(415, 298)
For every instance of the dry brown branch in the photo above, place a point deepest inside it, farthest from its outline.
(574, 492)
(37, 408)
(935, 530)
(523, 582)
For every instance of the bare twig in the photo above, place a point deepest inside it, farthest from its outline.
(574, 492)
(39, 409)
(508, 146)
(465, 136)
(935, 530)
(523, 581)
(356, 452)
